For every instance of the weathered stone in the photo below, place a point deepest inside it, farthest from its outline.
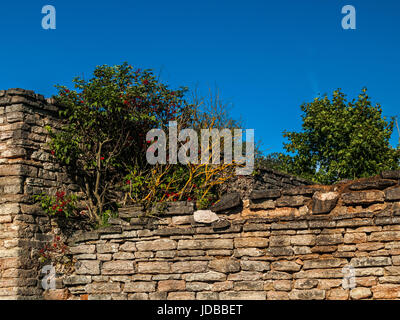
(312, 294)
(282, 285)
(179, 220)
(279, 241)
(228, 201)
(221, 224)
(198, 286)
(154, 267)
(323, 263)
(392, 270)
(363, 197)
(243, 295)
(225, 265)
(118, 267)
(131, 211)
(118, 221)
(128, 246)
(207, 296)
(291, 201)
(370, 262)
(262, 205)
(209, 244)
(329, 239)
(205, 216)
(324, 202)
(90, 267)
(394, 174)
(337, 294)
(319, 274)
(249, 265)
(255, 227)
(285, 266)
(179, 208)
(289, 225)
(249, 285)
(305, 283)
(265, 194)
(253, 242)
(171, 285)
(250, 252)
(154, 245)
(107, 247)
(303, 240)
(392, 194)
(222, 286)
(75, 280)
(245, 275)
(384, 236)
(140, 286)
(355, 237)
(56, 294)
(174, 231)
(123, 256)
(205, 276)
(189, 266)
(386, 291)
(82, 249)
(372, 184)
(277, 295)
(103, 287)
(138, 296)
(181, 296)
(280, 251)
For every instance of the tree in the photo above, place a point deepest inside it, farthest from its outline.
(340, 140)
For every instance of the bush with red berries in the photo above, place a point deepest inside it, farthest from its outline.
(103, 141)
(59, 205)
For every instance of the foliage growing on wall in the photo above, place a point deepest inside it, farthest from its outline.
(102, 140)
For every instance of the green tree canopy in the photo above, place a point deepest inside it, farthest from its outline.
(340, 140)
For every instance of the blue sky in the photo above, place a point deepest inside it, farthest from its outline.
(266, 57)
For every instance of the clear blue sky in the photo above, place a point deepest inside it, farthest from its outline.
(267, 57)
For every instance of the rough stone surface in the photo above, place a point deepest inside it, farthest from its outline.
(324, 202)
(205, 216)
(228, 201)
(393, 194)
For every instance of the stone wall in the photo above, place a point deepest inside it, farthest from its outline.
(25, 169)
(297, 243)
(266, 178)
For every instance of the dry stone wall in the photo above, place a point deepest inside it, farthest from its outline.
(25, 169)
(298, 243)
(281, 240)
